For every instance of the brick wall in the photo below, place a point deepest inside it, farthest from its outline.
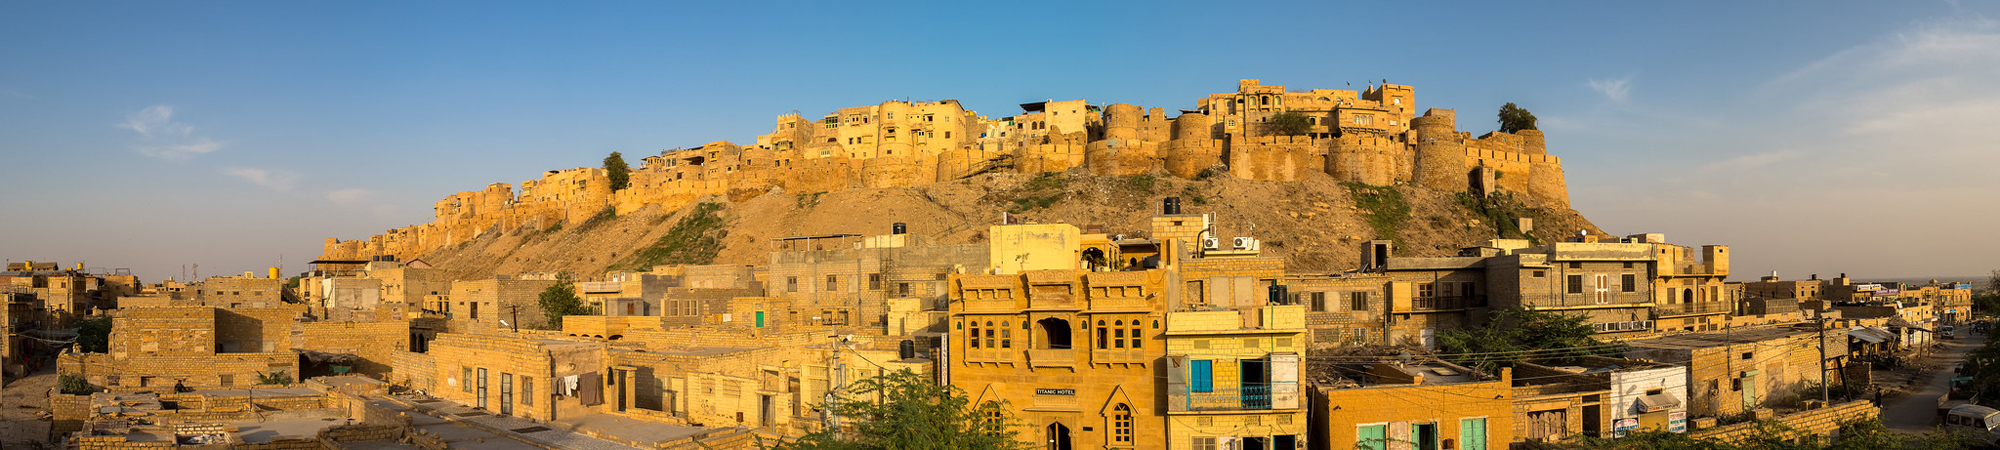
(1822, 421)
(375, 342)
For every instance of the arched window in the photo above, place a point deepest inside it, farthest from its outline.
(1103, 336)
(1121, 425)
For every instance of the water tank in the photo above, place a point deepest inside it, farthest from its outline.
(898, 228)
(907, 349)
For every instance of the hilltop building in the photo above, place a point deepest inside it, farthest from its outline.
(1374, 137)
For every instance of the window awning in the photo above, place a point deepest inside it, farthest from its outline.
(1871, 335)
(1658, 402)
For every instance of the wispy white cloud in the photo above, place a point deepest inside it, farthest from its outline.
(1617, 89)
(350, 197)
(363, 199)
(162, 137)
(156, 121)
(1894, 123)
(275, 179)
(180, 151)
(15, 93)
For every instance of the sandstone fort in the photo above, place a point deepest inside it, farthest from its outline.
(1374, 136)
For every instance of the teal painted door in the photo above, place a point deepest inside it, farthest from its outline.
(1372, 437)
(760, 319)
(1201, 375)
(1472, 434)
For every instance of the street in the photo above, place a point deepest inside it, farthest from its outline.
(1916, 412)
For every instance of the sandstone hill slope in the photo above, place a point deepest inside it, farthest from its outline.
(1317, 224)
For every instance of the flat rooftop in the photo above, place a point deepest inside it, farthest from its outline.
(1717, 338)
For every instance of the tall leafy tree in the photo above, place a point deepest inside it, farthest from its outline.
(1290, 123)
(619, 173)
(560, 300)
(905, 411)
(1515, 334)
(1514, 118)
(94, 334)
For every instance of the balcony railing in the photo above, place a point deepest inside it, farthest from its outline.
(1682, 309)
(1220, 398)
(1440, 303)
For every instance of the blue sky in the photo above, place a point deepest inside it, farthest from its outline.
(1814, 137)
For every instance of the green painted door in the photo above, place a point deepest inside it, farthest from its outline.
(760, 319)
(1372, 437)
(1472, 434)
(1749, 391)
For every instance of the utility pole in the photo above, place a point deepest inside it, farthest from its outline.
(1824, 397)
(516, 311)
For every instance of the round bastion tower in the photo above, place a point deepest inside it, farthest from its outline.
(1441, 162)
(1193, 148)
(1545, 173)
(1120, 152)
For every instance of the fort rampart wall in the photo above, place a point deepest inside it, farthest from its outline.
(1375, 140)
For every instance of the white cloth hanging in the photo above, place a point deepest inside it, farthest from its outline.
(569, 385)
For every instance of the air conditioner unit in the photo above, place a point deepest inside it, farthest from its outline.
(1243, 243)
(1211, 244)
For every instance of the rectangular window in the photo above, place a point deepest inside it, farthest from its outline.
(527, 391)
(1204, 443)
(791, 284)
(1135, 334)
(1200, 375)
(1426, 290)
(833, 282)
(1006, 338)
(1118, 338)
(874, 281)
(1628, 282)
(1319, 302)
(1358, 301)
(1576, 284)
(465, 378)
(974, 342)
(1576, 264)
(903, 289)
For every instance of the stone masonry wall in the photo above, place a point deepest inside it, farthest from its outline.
(1372, 140)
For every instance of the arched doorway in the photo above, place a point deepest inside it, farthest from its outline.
(1687, 296)
(1093, 259)
(1058, 436)
(1055, 333)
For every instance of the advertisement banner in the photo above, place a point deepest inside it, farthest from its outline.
(1677, 421)
(1619, 428)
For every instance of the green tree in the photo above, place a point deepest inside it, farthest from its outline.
(619, 173)
(560, 300)
(903, 410)
(74, 385)
(1514, 118)
(1290, 123)
(93, 334)
(1515, 334)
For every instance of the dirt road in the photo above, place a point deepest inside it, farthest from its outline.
(24, 411)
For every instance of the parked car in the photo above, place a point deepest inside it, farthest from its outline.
(1974, 417)
(1948, 332)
